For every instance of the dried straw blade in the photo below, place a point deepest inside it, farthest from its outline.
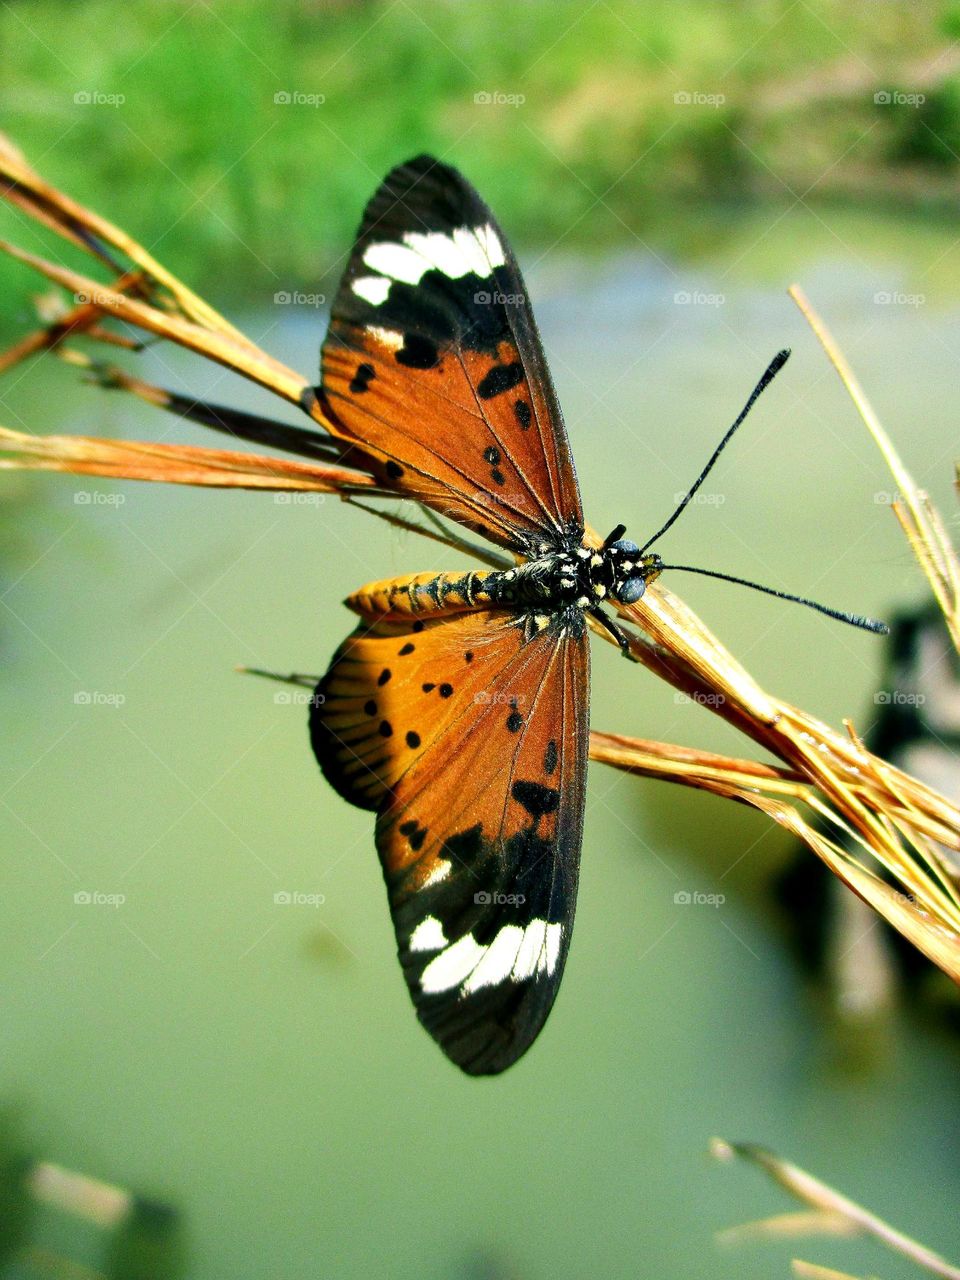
(825, 1201)
(918, 516)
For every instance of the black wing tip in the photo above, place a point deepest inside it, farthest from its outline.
(488, 1049)
(420, 166)
(422, 193)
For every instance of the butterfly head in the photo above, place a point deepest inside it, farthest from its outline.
(630, 571)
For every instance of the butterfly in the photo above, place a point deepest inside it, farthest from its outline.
(458, 709)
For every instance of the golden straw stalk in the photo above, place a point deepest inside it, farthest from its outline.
(828, 782)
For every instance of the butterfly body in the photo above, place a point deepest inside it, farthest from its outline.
(577, 576)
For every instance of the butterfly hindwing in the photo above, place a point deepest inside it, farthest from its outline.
(479, 791)
(434, 367)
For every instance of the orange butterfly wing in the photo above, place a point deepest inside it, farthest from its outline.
(433, 365)
(471, 743)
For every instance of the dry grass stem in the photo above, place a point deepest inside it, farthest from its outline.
(917, 515)
(826, 781)
(829, 1208)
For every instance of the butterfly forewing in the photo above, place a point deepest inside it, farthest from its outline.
(473, 750)
(433, 364)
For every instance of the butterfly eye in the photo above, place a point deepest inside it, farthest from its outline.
(630, 591)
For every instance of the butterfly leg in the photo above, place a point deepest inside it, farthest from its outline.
(621, 637)
(447, 536)
(463, 544)
(295, 677)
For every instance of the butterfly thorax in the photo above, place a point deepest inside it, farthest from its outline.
(576, 575)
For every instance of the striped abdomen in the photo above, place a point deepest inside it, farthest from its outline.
(422, 593)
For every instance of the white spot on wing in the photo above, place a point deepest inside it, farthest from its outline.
(372, 289)
(465, 250)
(492, 248)
(452, 966)
(455, 255)
(428, 935)
(528, 957)
(439, 872)
(498, 960)
(554, 936)
(398, 261)
(515, 954)
(388, 338)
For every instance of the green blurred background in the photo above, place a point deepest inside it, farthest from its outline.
(665, 171)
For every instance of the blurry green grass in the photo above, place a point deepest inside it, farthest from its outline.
(230, 187)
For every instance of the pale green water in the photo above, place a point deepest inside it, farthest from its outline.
(258, 1065)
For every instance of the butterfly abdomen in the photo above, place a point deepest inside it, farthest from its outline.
(422, 593)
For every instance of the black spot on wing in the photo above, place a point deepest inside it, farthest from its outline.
(537, 799)
(523, 414)
(492, 455)
(384, 676)
(500, 378)
(418, 352)
(370, 708)
(550, 757)
(407, 648)
(394, 470)
(415, 834)
(364, 375)
(413, 739)
(514, 722)
(386, 729)
(465, 845)
(445, 690)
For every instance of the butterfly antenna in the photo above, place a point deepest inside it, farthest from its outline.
(854, 619)
(773, 368)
